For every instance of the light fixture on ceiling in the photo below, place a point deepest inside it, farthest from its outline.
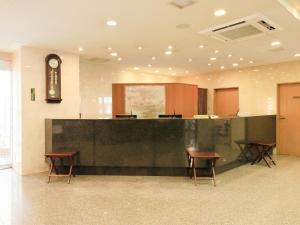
(119, 59)
(136, 68)
(182, 26)
(297, 55)
(212, 58)
(181, 4)
(220, 12)
(241, 59)
(170, 47)
(140, 48)
(201, 46)
(109, 49)
(153, 58)
(149, 65)
(111, 23)
(216, 51)
(275, 43)
(156, 71)
(209, 64)
(251, 62)
(222, 67)
(190, 60)
(168, 52)
(170, 68)
(229, 55)
(80, 49)
(114, 54)
(235, 64)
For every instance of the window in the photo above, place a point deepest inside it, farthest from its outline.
(105, 106)
(5, 114)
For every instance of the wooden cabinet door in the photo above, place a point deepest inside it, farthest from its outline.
(226, 102)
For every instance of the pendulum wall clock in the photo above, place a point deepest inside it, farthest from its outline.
(53, 78)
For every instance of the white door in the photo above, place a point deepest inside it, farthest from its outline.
(5, 116)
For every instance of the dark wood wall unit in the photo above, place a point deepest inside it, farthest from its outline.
(118, 99)
(180, 98)
(202, 101)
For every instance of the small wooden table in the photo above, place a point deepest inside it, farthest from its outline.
(70, 156)
(202, 155)
(263, 149)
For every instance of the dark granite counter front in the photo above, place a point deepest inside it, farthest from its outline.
(153, 146)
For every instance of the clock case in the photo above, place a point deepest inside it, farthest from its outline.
(57, 97)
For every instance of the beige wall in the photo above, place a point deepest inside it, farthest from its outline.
(257, 85)
(33, 113)
(96, 81)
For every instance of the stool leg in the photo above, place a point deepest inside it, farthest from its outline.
(50, 172)
(270, 158)
(194, 170)
(71, 160)
(213, 163)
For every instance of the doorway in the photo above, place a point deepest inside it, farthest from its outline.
(288, 119)
(5, 116)
(226, 102)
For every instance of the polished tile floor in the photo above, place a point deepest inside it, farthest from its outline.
(243, 196)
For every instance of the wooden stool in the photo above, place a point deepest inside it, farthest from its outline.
(262, 152)
(201, 155)
(61, 155)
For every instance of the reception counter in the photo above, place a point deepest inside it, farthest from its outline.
(153, 146)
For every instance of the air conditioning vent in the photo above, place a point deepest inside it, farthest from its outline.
(266, 25)
(243, 28)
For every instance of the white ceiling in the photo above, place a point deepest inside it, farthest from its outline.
(68, 24)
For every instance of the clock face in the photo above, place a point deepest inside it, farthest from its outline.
(53, 63)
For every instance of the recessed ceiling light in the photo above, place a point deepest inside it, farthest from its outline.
(111, 23)
(229, 55)
(241, 59)
(213, 58)
(251, 62)
(170, 47)
(297, 55)
(275, 43)
(80, 49)
(136, 68)
(140, 48)
(201, 46)
(220, 12)
(170, 68)
(113, 54)
(149, 65)
(109, 48)
(222, 67)
(168, 52)
(119, 59)
(153, 58)
(216, 51)
(190, 59)
(182, 3)
(235, 64)
(209, 64)
(156, 71)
